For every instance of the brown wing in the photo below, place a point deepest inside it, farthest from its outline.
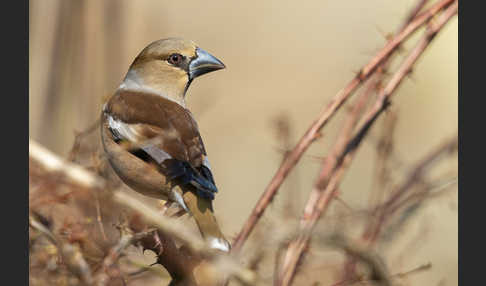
(167, 133)
(154, 116)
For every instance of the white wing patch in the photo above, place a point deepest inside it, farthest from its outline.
(156, 153)
(124, 129)
(128, 132)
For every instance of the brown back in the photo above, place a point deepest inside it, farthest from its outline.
(156, 116)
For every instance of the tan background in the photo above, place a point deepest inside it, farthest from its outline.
(283, 58)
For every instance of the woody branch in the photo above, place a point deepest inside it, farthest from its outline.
(327, 113)
(335, 166)
(168, 229)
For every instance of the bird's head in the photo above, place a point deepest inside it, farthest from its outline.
(168, 67)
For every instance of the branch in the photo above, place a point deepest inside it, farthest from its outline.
(313, 132)
(173, 228)
(79, 176)
(52, 163)
(331, 165)
(379, 273)
(70, 254)
(385, 210)
(413, 13)
(336, 165)
(127, 237)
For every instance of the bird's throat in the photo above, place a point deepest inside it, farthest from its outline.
(140, 82)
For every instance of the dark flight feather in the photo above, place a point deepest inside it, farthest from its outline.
(180, 154)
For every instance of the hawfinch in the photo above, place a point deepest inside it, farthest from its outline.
(152, 140)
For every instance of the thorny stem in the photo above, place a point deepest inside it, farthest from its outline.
(328, 183)
(85, 179)
(314, 131)
(388, 207)
(71, 255)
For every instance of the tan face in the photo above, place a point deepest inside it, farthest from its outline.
(163, 66)
(168, 66)
(161, 50)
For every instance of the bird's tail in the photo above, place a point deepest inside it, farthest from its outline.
(202, 211)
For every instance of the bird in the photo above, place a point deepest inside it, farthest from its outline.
(152, 140)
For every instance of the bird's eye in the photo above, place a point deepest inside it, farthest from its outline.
(175, 59)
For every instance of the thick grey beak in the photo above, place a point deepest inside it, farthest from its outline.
(203, 63)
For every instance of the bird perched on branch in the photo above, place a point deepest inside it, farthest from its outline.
(152, 140)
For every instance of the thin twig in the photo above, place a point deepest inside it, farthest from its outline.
(324, 184)
(329, 179)
(333, 168)
(78, 137)
(174, 228)
(314, 131)
(127, 237)
(70, 254)
(53, 163)
(384, 150)
(86, 179)
(385, 210)
(420, 268)
(349, 268)
(99, 220)
(413, 13)
(379, 273)
(431, 191)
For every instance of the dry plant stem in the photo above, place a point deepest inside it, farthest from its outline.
(413, 13)
(298, 246)
(385, 211)
(417, 22)
(379, 273)
(391, 205)
(316, 206)
(385, 143)
(86, 179)
(313, 132)
(420, 268)
(332, 160)
(71, 255)
(173, 228)
(167, 225)
(405, 68)
(179, 263)
(383, 153)
(278, 258)
(78, 137)
(73, 172)
(324, 185)
(99, 220)
(384, 149)
(127, 238)
(429, 192)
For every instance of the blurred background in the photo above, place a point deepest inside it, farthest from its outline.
(285, 61)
